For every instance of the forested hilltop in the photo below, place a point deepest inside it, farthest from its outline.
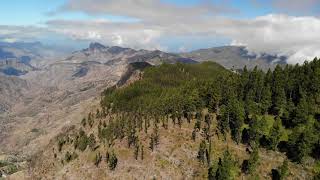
(203, 121)
(277, 110)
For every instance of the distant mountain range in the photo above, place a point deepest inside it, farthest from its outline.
(99, 65)
(20, 58)
(235, 57)
(109, 55)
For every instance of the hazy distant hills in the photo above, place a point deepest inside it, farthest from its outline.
(84, 73)
(235, 57)
(32, 49)
(114, 54)
(99, 65)
(19, 58)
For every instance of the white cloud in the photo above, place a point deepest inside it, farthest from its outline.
(297, 37)
(9, 40)
(117, 39)
(135, 35)
(93, 35)
(183, 49)
(149, 10)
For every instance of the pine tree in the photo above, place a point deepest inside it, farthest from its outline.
(84, 122)
(257, 127)
(90, 119)
(136, 151)
(194, 135)
(142, 152)
(151, 144)
(211, 173)
(302, 111)
(92, 141)
(201, 152)
(244, 82)
(107, 156)
(225, 166)
(98, 115)
(145, 126)
(284, 170)
(266, 100)
(279, 95)
(253, 160)
(236, 119)
(275, 133)
(97, 159)
(224, 120)
(113, 161)
(197, 125)
(179, 121)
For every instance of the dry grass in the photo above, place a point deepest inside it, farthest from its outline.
(174, 158)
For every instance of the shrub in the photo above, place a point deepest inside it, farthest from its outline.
(11, 169)
(61, 142)
(97, 159)
(113, 161)
(69, 157)
(82, 141)
(84, 122)
(92, 141)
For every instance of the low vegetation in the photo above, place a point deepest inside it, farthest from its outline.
(276, 111)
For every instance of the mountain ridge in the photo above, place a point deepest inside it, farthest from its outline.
(236, 57)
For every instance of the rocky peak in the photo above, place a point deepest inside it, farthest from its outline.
(117, 50)
(96, 45)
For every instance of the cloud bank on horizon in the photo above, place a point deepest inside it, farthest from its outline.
(284, 27)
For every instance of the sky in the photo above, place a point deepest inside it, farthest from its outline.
(278, 27)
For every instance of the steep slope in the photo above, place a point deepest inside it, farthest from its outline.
(235, 57)
(11, 91)
(164, 126)
(64, 91)
(61, 91)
